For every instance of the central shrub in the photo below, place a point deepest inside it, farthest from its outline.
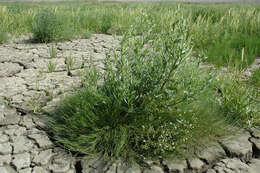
(49, 26)
(135, 111)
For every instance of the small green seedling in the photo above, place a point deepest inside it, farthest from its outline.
(69, 64)
(53, 52)
(35, 103)
(49, 94)
(51, 67)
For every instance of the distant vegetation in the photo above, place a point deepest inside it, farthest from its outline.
(220, 31)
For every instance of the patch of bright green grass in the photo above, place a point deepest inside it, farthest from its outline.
(228, 48)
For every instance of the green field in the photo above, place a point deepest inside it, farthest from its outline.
(155, 99)
(220, 31)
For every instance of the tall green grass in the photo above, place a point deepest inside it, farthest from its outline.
(220, 31)
(222, 34)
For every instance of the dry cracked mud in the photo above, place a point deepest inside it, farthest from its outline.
(27, 84)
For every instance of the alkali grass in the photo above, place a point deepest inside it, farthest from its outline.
(154, 100)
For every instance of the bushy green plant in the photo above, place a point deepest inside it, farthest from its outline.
(3, 36)
(49, 26)
(152, 98)
(142, 86)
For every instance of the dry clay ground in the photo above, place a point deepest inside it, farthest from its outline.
(26, 84)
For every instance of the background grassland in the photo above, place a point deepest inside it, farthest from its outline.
(220, 31)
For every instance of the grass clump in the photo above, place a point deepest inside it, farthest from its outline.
(48, 27)
(147, 104)
(107, 118)
(225, 34)
(106, 22)
(51, 66)
(52, 52)
(85, 34)
(3, 36)
(255, 78)
(238, 101)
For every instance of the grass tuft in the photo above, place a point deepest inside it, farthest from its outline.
(52, 51)
(48, 27)
(3, 36)
(255, 78)
(239, 101)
